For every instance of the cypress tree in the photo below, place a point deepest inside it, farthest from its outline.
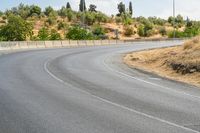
(130, 8)
(82, 6)
(68, 6)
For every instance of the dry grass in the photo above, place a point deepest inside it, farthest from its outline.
(180, 63)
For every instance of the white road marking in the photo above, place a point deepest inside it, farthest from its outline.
(154, 84)
(121, 106)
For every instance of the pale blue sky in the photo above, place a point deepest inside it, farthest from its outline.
(160, 8)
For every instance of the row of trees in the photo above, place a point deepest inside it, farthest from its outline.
(85, 24)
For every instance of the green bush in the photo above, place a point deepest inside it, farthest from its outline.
(43, 34)
(146, 30)
(78, 33)
(141, 30)
(54, 35)
(178, 34)
(16, 29)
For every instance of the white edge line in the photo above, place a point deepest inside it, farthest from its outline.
(154, 84)
(118, 105)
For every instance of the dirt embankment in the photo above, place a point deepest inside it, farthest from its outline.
(180, 63)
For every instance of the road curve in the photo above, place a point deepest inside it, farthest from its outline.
(90, 90)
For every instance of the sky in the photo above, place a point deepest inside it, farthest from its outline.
(159, 8)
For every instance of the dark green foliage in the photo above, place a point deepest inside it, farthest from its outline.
(130, 8)
(121, 8)
(43, 34)
(79, 33)
(16, 29)
(146, 29)
(68, 6)
(82, 6)
(177, 21)
(192, 29)
(92, 8)
(48, 10)
(35, 10)
(54, 35)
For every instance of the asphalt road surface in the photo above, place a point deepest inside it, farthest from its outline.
(90, 90)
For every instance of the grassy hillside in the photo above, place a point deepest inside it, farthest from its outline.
(180, 63)
(92, 23)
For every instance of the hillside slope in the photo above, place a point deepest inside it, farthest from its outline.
(180, 63)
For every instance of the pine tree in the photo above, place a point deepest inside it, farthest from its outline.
(82, 6)
(68, 6)
(130, 8)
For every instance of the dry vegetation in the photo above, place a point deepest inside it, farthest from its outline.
(180, 63)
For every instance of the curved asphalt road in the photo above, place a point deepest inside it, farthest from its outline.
(89, 90)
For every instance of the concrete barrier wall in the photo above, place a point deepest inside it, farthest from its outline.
(66, 43)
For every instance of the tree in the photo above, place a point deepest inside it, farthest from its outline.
(179, 19)
(16, 29)
(68, 6)
(48, 10)
(130, 8)
(43, 34)
(35, 10)
(82, 6)
(121, 8)
(92, 8)
(171, 20)
(23, 10)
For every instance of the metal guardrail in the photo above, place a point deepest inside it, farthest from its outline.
(12, 45)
